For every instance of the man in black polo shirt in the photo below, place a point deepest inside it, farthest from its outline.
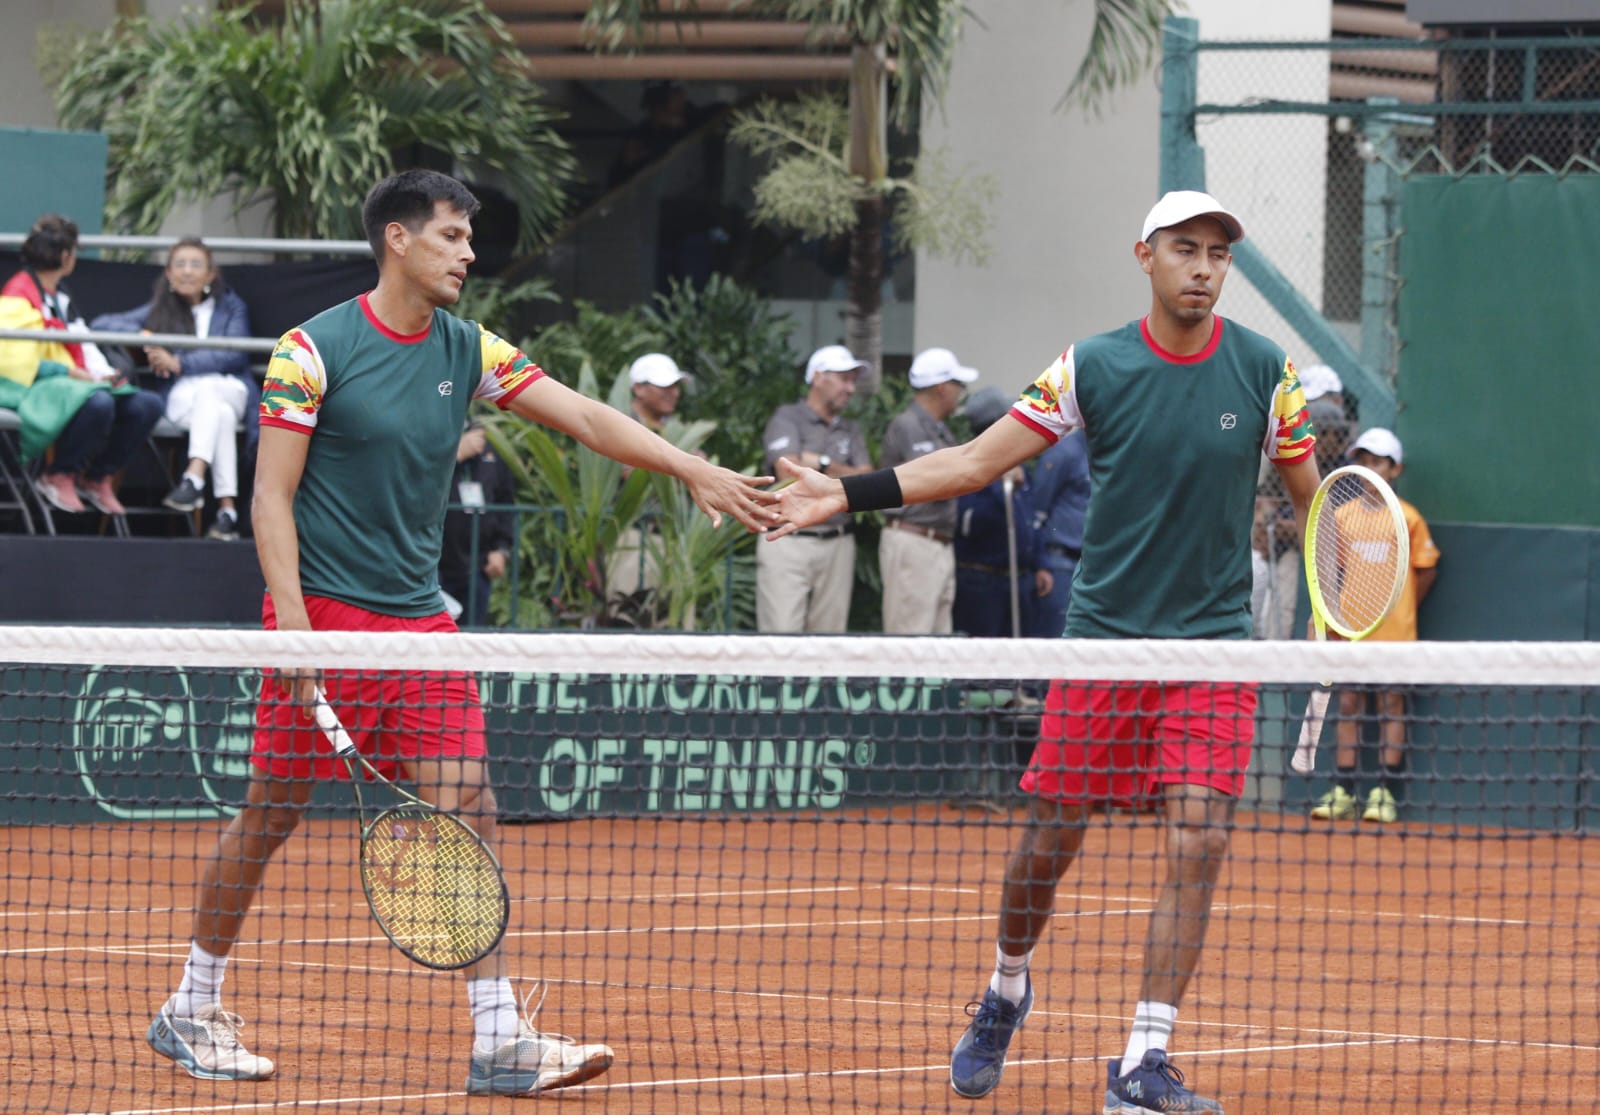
(804, 584)
(919, 567)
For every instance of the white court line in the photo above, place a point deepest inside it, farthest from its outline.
(163, 948)
(702, 1081)
(113, 911)
(301, 942)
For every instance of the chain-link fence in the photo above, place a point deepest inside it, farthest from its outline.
(1316, 141)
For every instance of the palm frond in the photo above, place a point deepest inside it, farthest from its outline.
(1122, 46)
(308, 113)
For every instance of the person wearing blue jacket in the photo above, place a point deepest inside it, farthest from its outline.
(208, 391)
(982, 548)
(1061, 499)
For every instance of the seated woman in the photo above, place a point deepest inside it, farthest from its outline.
(208, 391)
(67, 395)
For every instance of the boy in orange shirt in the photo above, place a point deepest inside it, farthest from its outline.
(1379, 450)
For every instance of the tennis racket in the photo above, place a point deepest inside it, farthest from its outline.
(434, 886)
(1358, 553)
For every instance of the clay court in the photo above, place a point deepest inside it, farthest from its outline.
(823, 964)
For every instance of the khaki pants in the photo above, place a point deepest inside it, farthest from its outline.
(803, 584)
(631, 567)
(919, 583)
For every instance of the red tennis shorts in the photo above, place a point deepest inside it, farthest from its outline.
(392, 717)
(1119, 742)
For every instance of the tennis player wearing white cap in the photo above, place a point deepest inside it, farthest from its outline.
(1178, 408)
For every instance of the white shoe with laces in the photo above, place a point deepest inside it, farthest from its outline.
(206, 1045)
(532, 1062)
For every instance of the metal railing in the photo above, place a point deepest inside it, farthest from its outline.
(229, 244)
(139, 340)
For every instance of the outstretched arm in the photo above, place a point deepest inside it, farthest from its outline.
(946, 474)
(715, 490)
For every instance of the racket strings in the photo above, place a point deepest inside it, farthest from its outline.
(1359, 553)
(433, 886)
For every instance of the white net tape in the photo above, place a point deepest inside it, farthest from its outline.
(1492, 664)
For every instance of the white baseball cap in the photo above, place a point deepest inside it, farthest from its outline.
(1318, 380)
(656, 368)
(934, 366)
(1183, 205)
(1380, 443)
(832, 358)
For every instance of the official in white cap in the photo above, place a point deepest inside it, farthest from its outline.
(915, 555)
(807, 586)
(1177, 407)
(632, 571)
(657, 385)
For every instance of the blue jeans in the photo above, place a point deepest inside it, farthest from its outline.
(103, 436)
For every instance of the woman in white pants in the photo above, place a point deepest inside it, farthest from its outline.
(209, 392)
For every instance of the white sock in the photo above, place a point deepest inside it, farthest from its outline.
(199, 479)
(494, 1012)
(1152, 1027)
(1010, 979)
(202, 982)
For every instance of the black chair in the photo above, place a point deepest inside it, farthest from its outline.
(16, 482)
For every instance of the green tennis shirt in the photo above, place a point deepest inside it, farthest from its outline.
(1175, 444)
(384, 412)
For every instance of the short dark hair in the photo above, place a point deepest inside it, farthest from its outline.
(48, 242)
(409, 197)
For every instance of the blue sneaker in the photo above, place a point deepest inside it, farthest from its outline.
(980, 1056)
(1156, 1085)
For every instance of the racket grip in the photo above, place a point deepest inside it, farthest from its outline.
(328, 721)
(1305, 754)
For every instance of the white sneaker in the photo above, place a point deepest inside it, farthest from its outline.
(206, 1046)
(532, 1062)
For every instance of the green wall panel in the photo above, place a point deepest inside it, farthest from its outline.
(52, 172)
(1532, 584)
(1497, 378)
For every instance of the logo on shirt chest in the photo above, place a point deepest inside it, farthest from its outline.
(446, 387)
(1229, 420)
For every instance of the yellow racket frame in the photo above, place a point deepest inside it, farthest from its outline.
(1319, 612)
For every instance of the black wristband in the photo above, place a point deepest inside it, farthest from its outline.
(873, 491)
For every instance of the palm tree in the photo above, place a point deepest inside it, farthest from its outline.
(308, 114)
(815, 177)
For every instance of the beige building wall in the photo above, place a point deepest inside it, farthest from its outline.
(25, 102)
(1073, 189)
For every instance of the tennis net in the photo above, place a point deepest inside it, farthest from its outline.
(767, 872)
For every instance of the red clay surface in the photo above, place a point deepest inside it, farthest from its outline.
(777, 964)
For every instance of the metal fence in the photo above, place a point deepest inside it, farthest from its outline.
(1315, 142)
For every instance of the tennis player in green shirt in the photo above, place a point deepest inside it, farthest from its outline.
(1178, 408)
(361, 415)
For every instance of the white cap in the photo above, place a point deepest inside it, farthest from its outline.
(656, 368)
(1319, 380)
(1380, 443)
(832, 358)
(934, 366)
(1183, 205)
